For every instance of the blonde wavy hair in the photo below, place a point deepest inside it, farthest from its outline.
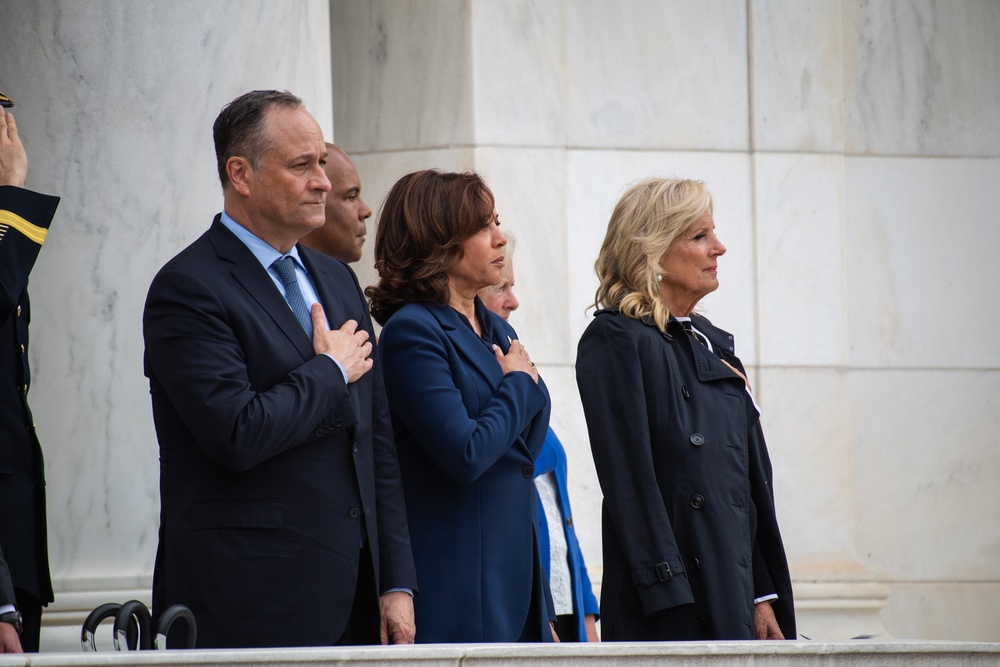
(647, 219)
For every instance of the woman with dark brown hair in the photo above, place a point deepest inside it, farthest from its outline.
(469, 413)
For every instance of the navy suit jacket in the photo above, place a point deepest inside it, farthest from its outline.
(467, 436)
(24, 218)
(273, 471)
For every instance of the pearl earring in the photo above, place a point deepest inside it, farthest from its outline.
(659, 277)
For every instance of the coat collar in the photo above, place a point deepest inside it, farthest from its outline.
(707, 365)
(722, 340)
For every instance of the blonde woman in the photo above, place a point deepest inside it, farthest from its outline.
(692, 549)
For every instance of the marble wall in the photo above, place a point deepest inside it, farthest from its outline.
(853, 149)
(115, 104)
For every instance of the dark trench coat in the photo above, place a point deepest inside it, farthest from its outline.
(689, 528)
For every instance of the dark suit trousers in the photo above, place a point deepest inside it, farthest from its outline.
(363, 625)
(31, 625)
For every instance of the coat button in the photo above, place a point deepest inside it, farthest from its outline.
(697, 439)
(336, 423)
(694, 563)
(697, 501)
(320, 433)
(685, 393)
(355, 448)
(354, 513)
(21, 350)
(528, 471)
(19, 310)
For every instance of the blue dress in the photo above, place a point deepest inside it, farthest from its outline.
(553, 459)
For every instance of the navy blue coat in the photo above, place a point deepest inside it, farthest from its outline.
(553, 459)
(272, 469)
(690, 532)
(24, 220)
(467, 437)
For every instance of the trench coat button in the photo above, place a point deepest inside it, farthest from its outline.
(694, 563)
(24, 389)
(336, 423)
(354, 513)
(528, 471)
(19, 310)
(20, 350)
(697, 501)
(355, 448)
(697, 439)
(702, 623)
(320, 432)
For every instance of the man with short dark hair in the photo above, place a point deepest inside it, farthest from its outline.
(281, 507)
(343, 235)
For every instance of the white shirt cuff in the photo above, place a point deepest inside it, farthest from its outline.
(342, 371)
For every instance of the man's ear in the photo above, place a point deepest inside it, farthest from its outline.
(240, 174)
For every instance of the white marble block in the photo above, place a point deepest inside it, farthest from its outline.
(115, 103)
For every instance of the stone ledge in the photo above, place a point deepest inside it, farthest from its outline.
(681, 654)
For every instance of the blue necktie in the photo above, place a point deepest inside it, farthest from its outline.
(285, 266)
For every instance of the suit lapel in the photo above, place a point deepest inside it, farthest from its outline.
(471, 348)
(468, 345)
(254, 279)
(333, 296)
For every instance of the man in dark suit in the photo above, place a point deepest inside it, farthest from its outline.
(281, 509)
(24, 577)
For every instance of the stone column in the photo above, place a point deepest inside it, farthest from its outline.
(115, 104)
(851, 149)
